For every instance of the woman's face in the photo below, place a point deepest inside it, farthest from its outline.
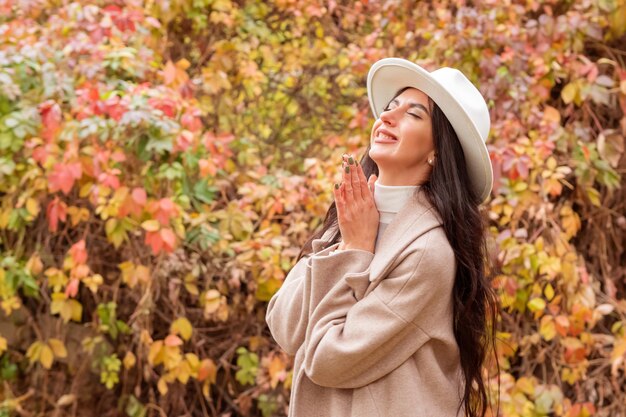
(402, 140)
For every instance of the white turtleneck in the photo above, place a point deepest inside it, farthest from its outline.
(389, 200)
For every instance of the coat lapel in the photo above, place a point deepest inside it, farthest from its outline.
(410, 222)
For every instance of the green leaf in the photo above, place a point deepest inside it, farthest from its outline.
(248, 366)
(203, 192)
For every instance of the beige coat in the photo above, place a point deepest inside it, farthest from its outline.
(372, 334)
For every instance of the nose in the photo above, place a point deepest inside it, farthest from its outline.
(388, 117)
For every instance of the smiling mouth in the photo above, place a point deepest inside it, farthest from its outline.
(384, 138)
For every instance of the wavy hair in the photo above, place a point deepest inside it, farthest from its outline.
(475, 304)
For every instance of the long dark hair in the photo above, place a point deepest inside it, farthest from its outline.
(475, 304)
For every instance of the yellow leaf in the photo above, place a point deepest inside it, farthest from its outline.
(77, 214)
(548, 292)
(536, 305)
(193, 360)
(594, 196)
(46, 356)
(11, 304)
(85, 189)
(526, 385)
(3, 345)
(71, 310)
(151, 225)
(171, 356)
(129, 360)
(142, 274)
(56, 278)
(5, 215)
(162, 386)
(184, 372)
(547, 329)
(33, 352)
(93, 282)
(569, 93)
(58, 348)
(155, 353)
(32, 207)
(212, 300)
(182, 327)
(190, 284)
(34, 264)
(570, 221)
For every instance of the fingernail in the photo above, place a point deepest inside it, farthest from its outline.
(347, 170)
(351, 161)
(336, 186)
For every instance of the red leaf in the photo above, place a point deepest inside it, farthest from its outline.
(184, 140)
(169, 240)
(163, 210)
(166, 105)
(153, 239)
(51, 118)
(191, 120)
(78, 252)
(110, 178)
(63, 177)
(56, 210)
(139, 196)
(72, 288)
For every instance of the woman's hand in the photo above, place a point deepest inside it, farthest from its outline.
(356, 210)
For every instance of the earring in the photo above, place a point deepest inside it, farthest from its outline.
(430, 162)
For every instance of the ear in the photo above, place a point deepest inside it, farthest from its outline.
(431, 157)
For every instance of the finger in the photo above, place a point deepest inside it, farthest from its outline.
(355, 179)
(371, 182)
(347, 185)
(339, 201)
(365, 188)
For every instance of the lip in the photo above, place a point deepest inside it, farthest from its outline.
(384, 131)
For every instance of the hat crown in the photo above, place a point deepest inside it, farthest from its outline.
(467, 95)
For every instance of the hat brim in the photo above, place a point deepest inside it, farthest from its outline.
(387, 76)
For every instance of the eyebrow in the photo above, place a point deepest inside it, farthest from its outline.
(413, 105)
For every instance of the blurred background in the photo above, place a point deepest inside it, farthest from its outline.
(162, 162)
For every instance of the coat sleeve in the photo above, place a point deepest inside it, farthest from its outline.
(352, 342)
(289, 309)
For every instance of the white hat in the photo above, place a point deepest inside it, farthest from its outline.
(457, 97)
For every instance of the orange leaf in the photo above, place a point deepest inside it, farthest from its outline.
(173, 340)
(207, 370)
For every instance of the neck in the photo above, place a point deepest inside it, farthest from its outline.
(389, 179)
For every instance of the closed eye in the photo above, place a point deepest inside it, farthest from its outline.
(412, 114)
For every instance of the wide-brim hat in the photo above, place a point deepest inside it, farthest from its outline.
(457, 97)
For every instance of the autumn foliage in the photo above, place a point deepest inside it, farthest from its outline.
(161, 162)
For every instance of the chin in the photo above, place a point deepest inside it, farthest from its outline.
(379, 157)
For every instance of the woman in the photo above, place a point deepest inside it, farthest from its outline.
(386, 313)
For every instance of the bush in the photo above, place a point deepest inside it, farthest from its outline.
(162, 162)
